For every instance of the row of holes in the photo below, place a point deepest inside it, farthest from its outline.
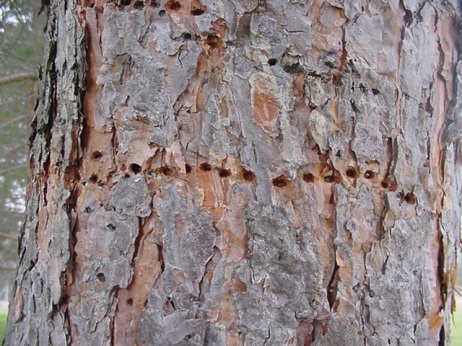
(280, 181)
(138, 4)
(171, 5)
(274, 61)
(351, 172)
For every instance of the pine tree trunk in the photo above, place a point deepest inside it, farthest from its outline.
(243, 173)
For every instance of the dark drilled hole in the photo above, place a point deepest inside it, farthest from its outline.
(111, 227)
(213, 41)
(329, 179)
(188, 168)
(205, 167)
(186, 36)
(248, 175)
(369, 175)
(155, 3)
(329, 64)
(384, 184)
(135, 168)
(138, 4)
(97, 155)
(125, 2)
(272, 61)
(167, 171)
(308, 177)
(130, 301)
(410, 198)
(94, 178)
(280, 182)
(375, 91)
(162, 13)
(352, 172)
(224, 173)
(173, 5)
(101, 277)
(197, 12)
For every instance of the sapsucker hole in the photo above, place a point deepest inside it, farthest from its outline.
(329, 64)
(410, 198)
(188, 168)
(167, 171)
(130, 301)
(308, 177)
(173, 5)
(248, 175)
(375, 91)
(369, 174)
(384, 184)
(162, 13)
(111, 226)
(97, 155)
(280, 182)
(186, 36)
(101, 277)
(125, 2)
(135, 168)
(197, 12)
(213, 41)
(272, 61)
(94, 178)
(155, 3)
(329, 179)
(138, 4)
(206, 167)
(352, 172)
(224, 173)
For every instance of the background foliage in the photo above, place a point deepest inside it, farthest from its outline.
(21, 37)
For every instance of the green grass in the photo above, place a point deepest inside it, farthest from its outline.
(456, 330)
(3, 316)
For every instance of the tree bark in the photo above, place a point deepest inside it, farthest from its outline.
(243, 173)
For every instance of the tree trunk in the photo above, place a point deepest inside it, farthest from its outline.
(243, 173)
